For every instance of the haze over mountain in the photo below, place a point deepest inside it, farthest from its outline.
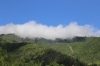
(36, 30)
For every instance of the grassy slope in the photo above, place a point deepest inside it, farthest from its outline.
(91, 50)
(86, 51)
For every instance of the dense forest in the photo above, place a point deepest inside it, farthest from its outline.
(17, 51)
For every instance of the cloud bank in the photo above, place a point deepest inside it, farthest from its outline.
(33, 30)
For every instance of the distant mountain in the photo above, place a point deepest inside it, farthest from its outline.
(41, 40)
(16, 38)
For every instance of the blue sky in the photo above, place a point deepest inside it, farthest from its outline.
(74, 15)
(50, 12)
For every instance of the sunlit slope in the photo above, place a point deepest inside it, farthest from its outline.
(87, 51)
(40, 54)
(28, 50)
(90, 51)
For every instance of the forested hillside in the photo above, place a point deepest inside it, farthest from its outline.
(85, 49)
(15, 52)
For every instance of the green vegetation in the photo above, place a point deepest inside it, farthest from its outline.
(16, 51)
(19, 53)
(86, 51)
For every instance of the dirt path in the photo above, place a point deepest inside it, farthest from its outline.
(71, 48)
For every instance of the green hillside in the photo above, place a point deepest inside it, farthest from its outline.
(21, 53)
(87, 51)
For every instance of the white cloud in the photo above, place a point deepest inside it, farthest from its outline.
(32, 29)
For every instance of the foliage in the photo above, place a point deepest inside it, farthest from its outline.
(15, 52)
(87, 51)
